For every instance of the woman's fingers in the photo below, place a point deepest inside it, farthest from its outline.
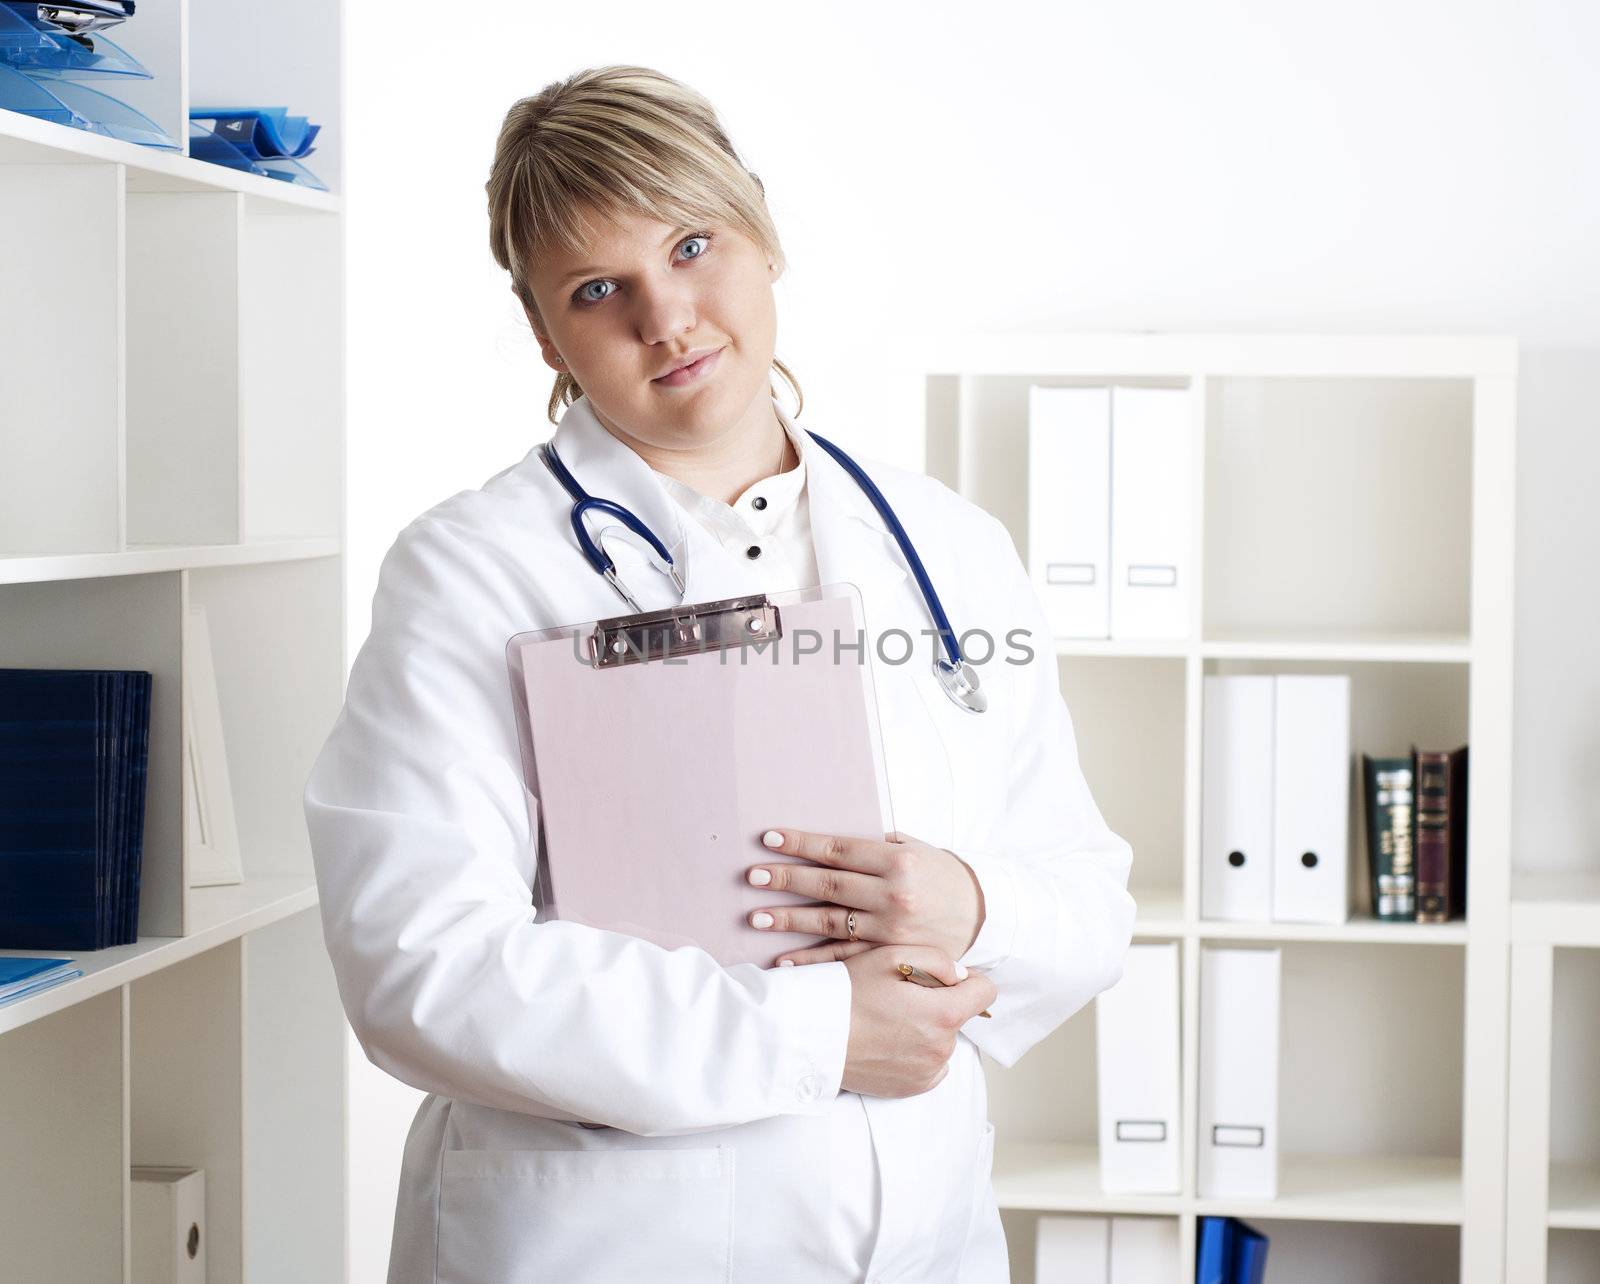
(815, 920)
(869, 855)
(819, 883)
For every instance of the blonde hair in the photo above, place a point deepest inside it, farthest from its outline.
(615, 140)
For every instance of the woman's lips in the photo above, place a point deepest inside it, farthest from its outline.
(690, 373)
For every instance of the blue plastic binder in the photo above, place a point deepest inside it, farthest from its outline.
(1229, 1252)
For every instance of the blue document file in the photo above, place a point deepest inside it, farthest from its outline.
(74, 755)
(1250, 1255)
(1214, 1251)
(21, 977)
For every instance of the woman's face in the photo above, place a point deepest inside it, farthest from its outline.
(639, 300)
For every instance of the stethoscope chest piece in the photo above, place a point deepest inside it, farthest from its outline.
(960, 683)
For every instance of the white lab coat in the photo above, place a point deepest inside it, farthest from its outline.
(704, 1090)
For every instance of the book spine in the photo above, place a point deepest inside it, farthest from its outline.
(1388, 794)
(1458, 832)
(1434, 795)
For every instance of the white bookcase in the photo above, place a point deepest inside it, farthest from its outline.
(1353, 504)
(1553, 1178)
(172, 433)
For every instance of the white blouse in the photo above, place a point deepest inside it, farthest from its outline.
(771, 519)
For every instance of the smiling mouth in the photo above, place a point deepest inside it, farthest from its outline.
(690, 373)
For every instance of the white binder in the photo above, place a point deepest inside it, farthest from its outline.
(1311, 799)
(1238, 1139)
(1236, 797)
(1071, 1249)
(1069, 514)
(1151, 439)
(1136, 1050)
(167, 1209)
(1144, 1250)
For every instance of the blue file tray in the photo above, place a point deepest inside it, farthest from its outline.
(67, 103)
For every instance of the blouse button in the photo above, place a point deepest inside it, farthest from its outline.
(758, 502)
(753, 552)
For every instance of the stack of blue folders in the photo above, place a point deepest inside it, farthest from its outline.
(1230, 1252)
(20, 978)
(259, 140)
(74, 748)
(46, 50)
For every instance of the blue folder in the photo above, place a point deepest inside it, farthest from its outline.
(1229, 1252)
(74, 757)
(21, 977)
(1215, 1251)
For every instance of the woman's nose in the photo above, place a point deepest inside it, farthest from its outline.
(665, 310)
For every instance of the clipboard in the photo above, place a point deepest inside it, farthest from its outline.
(657, 748)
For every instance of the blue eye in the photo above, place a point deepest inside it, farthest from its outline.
(583, 299)
(698, 236)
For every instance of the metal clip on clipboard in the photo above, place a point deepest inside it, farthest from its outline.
(677, 631)
(658, 747)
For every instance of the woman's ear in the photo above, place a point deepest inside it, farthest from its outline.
(547, 350)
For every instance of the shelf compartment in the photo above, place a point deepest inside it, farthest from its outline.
(61, 1106)
(1393, 705)
(183, 367)
(1575, 1196)
(1128, 718)
(129, 622)
(290, 358)
(184, 1088)
(1356, 1021)
(1574, 1257)
(61, 332)
(1326, 1252)
(294, 1076)
(278, 657)
(287, 55)
(1333, 504)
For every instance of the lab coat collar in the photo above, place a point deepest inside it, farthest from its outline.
(850, 539)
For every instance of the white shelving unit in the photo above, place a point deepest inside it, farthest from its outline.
(1553, 1209)
(1353, 505)
(172, 434)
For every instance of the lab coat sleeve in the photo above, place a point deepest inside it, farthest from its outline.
(420, 834)
(1057, 913)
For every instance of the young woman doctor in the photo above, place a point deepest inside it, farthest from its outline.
(600, 1108)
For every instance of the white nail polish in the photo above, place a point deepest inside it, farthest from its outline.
(760, 877)
(961, 972)
(786, 963)
(772, 838)
(761, 919)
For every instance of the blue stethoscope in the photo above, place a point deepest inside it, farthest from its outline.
(955, 675)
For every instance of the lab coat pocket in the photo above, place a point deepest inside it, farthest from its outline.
(984, 1258)
(586, 1215)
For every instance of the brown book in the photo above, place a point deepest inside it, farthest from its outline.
(1440, 833)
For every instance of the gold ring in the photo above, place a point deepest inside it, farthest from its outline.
(850, 924)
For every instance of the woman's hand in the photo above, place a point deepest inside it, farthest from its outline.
(904, 892)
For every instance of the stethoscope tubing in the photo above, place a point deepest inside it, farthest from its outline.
(583, 503)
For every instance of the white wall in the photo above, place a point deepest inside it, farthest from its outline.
(1373, 166)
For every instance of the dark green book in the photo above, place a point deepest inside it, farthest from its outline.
(1387, 789)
